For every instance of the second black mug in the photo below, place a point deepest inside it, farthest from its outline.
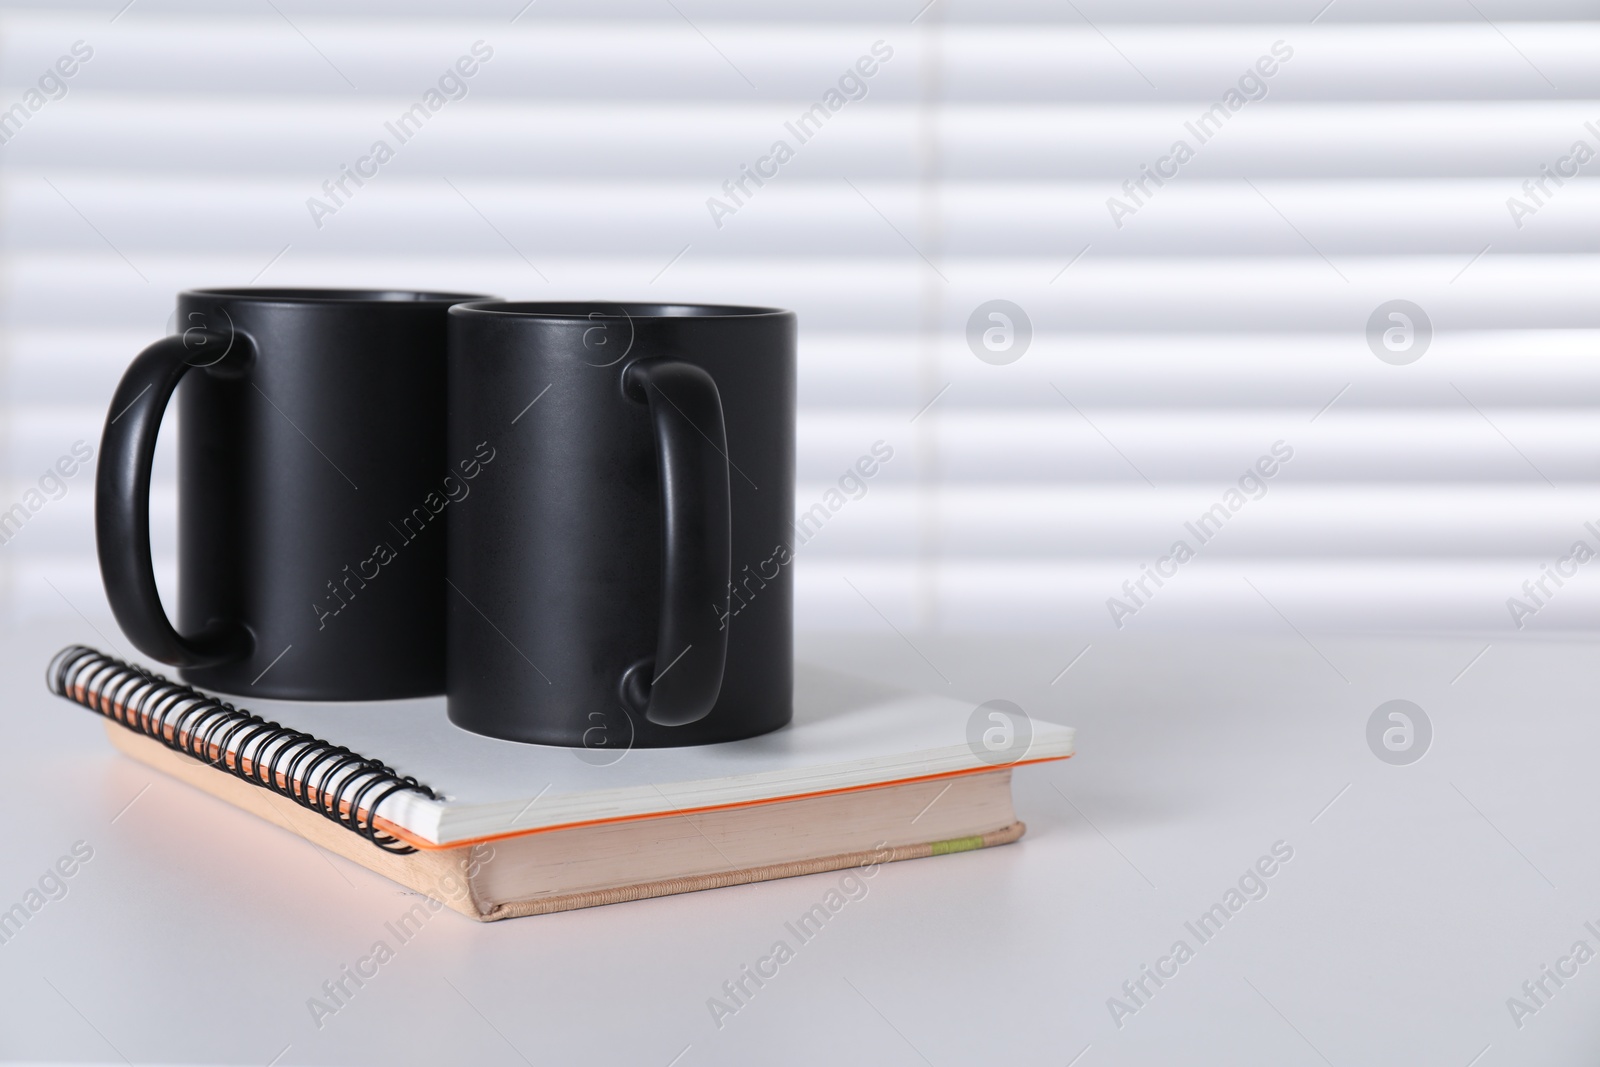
(621, 576)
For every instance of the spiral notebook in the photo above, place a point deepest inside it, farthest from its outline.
(494, 829)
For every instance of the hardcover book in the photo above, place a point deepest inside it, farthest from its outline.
(496, 829)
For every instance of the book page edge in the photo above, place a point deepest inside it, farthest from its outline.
(1004, 835)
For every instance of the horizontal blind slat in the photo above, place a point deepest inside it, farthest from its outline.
(1227, 313)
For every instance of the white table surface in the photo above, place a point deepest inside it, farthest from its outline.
(1415, 904)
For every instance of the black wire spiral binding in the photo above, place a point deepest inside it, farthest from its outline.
(328, 779)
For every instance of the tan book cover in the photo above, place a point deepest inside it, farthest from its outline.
(864, 776)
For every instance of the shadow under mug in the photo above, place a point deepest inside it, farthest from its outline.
(312, 476)
(622, 576)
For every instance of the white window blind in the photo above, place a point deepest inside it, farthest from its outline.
(1183, 335)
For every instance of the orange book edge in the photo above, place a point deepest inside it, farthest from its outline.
(234, 760)
(412, 839)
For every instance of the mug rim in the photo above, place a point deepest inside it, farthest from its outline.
(581, 311)
(293, 295)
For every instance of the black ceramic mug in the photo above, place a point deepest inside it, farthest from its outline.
(311, 476)
(622, 574)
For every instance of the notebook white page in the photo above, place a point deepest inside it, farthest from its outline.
(846, 732)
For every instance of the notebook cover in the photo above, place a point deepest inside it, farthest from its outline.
(433, 871)
(847, 734)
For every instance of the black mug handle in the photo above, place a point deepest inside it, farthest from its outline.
(122, 498)
(681, 682)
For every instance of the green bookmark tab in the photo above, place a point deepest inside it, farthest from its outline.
(957, 844)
